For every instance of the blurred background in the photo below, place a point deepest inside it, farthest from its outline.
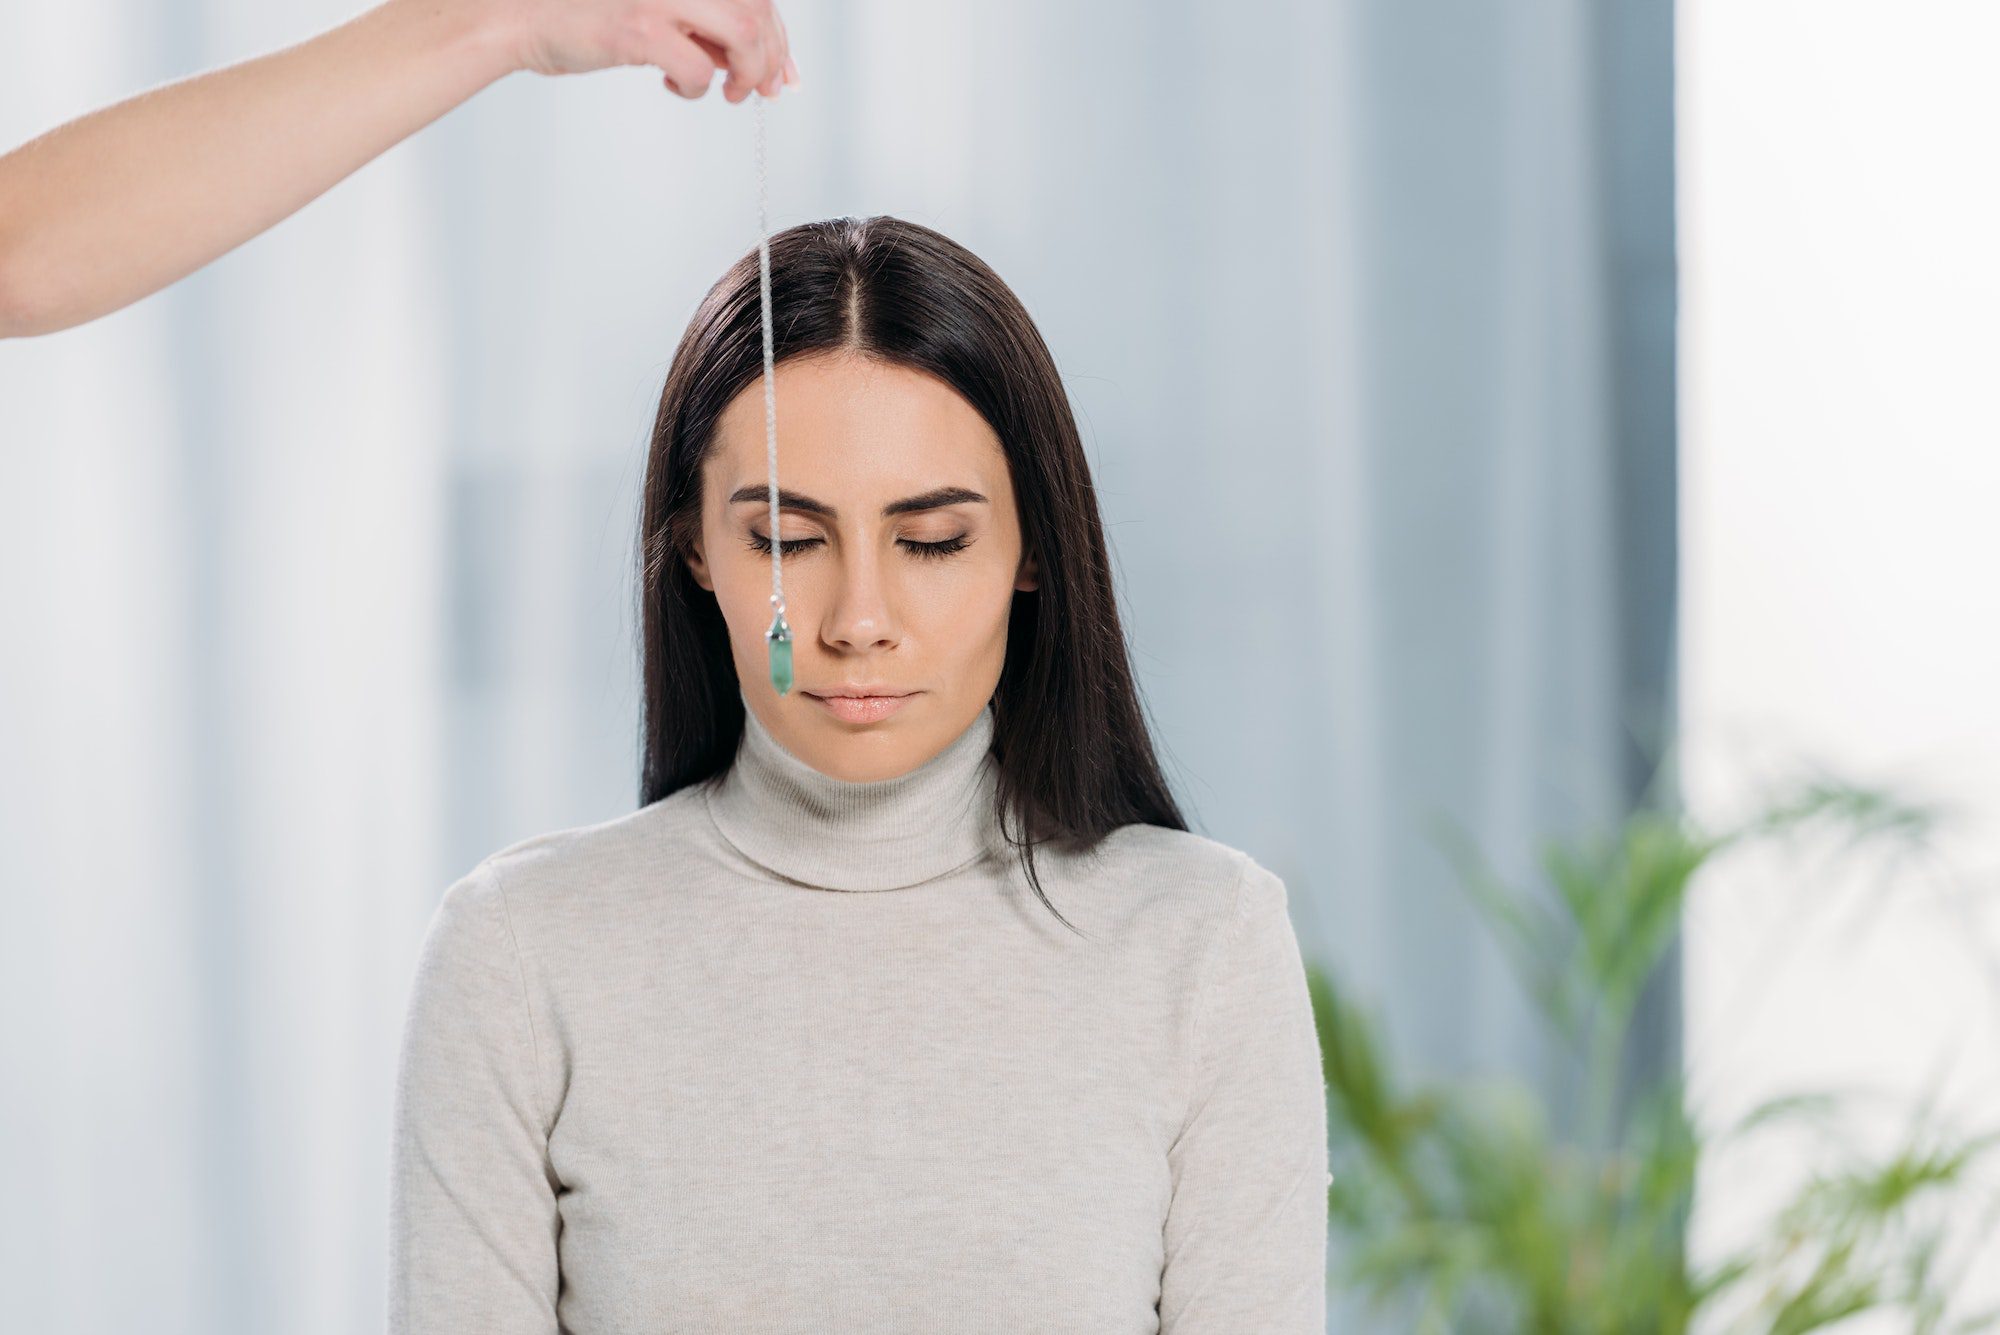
(1514, 415)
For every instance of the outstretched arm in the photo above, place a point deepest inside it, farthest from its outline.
(118, 203)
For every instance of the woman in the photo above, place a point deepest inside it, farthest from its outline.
(906, 1001)
(112, 206)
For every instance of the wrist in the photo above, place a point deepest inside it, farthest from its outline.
(477, 36)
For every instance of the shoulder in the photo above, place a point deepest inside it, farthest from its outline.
(573, 872)
(1154, 852)
(1176, 881)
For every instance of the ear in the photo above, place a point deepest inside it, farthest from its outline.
(698, 566)
(1029, 579)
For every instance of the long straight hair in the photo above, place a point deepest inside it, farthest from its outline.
(1075, 759)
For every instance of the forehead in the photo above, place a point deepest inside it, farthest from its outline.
(856, 426)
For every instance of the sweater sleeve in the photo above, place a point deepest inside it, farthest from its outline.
(472, 1220)
(1246, 1227)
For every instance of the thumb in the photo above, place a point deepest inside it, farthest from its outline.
(685, 66)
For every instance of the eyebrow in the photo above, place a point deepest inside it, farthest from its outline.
(934, 499)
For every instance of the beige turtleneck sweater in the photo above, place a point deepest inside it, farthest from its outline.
(785, 1053)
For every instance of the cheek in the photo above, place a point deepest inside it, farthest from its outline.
(743, 592)
(973, 603)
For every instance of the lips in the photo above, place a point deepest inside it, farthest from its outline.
(859, 708)
(858, 692)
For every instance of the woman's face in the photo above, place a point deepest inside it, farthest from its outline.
(903, 555)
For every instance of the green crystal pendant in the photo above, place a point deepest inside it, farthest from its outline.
(779, 638)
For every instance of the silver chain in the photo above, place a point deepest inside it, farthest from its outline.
(778, 639)
(770, 388)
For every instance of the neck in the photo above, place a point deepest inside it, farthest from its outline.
(834, 834)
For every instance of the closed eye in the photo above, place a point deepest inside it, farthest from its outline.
(927, 550)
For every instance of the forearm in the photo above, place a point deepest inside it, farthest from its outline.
(109, 207)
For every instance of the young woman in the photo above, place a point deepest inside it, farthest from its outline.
(905, 1002)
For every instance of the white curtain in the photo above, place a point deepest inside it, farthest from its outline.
(222, 694)
(316, 566)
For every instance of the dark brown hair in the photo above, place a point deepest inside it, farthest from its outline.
(1075, 758)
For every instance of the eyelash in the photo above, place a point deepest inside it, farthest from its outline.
(930, 551)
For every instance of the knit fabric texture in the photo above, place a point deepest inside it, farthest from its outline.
(782, 1053)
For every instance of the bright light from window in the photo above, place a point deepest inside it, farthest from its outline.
(1840, 355)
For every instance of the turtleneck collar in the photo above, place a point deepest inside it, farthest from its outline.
(807, 826)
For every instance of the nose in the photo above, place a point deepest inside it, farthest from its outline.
(859, 612)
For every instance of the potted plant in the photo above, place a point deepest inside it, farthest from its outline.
(1458, 1200)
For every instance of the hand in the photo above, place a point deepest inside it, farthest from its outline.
(688, 40)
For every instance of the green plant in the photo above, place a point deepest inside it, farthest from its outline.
(1459, 1201)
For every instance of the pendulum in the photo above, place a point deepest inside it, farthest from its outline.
(779, 637)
